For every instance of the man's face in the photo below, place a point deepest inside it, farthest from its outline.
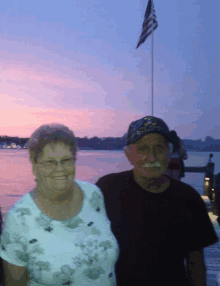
(149, 156)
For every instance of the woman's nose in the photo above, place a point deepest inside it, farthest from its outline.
(59, 165)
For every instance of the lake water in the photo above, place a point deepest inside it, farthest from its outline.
(16, 177)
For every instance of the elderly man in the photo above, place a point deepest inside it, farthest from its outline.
(157, 221)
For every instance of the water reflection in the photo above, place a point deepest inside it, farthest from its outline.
(17, 178)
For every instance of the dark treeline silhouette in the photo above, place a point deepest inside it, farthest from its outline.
(117, 143)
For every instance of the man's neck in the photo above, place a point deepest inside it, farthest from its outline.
(157, 185)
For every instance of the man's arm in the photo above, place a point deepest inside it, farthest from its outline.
(196, 268)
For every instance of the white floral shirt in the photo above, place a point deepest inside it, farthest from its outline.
(81, 250)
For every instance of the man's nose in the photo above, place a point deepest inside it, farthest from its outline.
(151, 158)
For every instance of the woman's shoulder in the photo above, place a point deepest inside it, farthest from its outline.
(86, 184)
(23, 200)
(88, 187)
(21, 207)
(93, 193)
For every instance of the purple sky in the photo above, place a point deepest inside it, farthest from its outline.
(75, 62)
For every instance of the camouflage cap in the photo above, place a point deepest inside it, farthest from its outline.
(146, 125)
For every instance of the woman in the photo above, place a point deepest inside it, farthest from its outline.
(58, 233)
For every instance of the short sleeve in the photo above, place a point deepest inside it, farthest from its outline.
(13, 245)
(202, 233)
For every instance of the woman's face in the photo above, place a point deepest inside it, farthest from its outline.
(55, 169)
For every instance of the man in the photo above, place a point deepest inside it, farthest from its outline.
(157, 221)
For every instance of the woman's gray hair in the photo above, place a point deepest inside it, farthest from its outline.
(50, 133)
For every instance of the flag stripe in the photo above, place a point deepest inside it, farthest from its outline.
(147, 31)
(147, 28)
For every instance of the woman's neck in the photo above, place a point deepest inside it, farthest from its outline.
(63, 198)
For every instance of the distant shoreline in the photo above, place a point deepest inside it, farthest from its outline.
(90, 149)
(118, 143)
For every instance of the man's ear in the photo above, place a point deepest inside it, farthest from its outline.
(128, 153)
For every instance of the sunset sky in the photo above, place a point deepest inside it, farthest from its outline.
(74, 62)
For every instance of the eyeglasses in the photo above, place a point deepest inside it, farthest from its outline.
(52, 164)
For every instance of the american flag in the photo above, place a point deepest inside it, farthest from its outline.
(147, 25)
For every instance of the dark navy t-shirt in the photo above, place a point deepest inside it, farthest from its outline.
(155, 231)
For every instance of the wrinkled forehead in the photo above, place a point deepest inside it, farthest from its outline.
(152, 139)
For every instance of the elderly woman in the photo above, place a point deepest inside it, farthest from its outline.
(58, 233)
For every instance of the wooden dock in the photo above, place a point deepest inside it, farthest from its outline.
(212, 253)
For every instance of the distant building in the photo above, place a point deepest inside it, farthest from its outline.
(3, 144)
(13, 145)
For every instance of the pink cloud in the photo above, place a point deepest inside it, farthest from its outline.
(92, 98)
(88, 122)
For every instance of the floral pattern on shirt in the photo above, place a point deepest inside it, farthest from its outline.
(89, 248)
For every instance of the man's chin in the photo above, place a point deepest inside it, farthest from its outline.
(152, 172)
(149, 174)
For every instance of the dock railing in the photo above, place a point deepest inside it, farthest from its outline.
(211, 184)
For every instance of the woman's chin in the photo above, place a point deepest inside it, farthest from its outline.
(61, 185)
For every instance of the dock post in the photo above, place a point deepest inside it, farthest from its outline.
(209, 176)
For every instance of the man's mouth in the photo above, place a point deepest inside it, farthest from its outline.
(156, 165)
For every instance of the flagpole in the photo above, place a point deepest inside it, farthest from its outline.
(152, 56)
(147, 29)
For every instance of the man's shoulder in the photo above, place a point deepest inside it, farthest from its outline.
(114, 178)
(185, 191)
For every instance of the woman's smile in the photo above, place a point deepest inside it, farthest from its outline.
(60, 178)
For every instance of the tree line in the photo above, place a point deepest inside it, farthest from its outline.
(118, 143)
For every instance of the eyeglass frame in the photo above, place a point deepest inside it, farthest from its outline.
(57, 163)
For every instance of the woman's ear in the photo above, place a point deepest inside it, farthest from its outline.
(34, 169)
